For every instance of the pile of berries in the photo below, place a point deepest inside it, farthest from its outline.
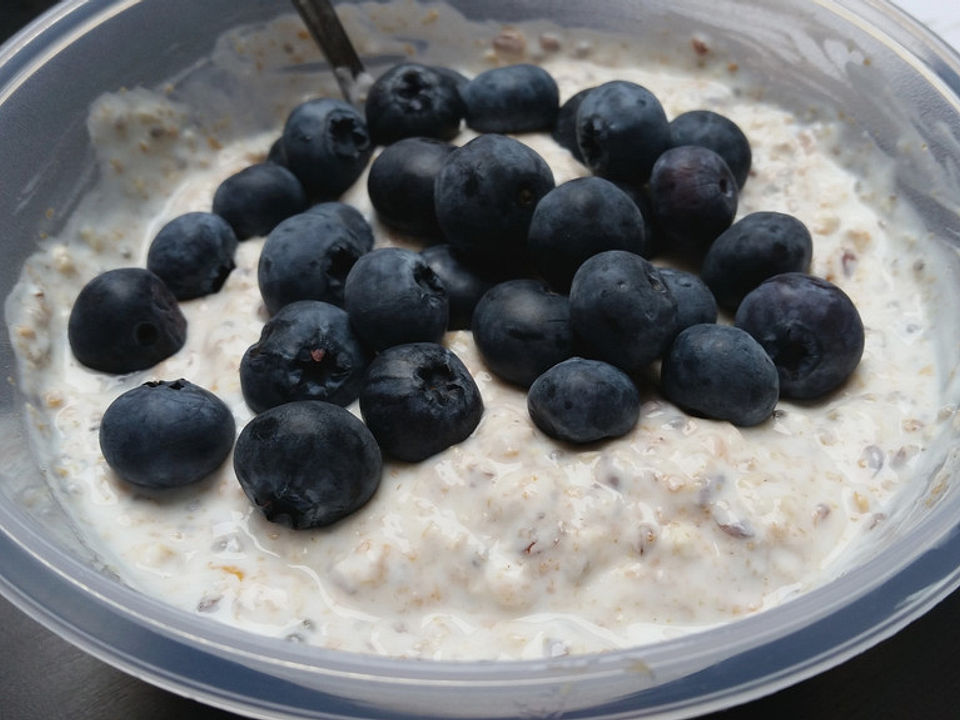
(555, 283)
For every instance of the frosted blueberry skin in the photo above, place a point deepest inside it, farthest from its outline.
(418, 400)
(621, 131)
(809, 327)
(521, 328)
(565, 128)
(582, 401)
(694, 197)
(718, 133)
(193, 254)
(258, 198)
(393, 297)
(720, 372)
(326, 145)
(485, 196)
(307, 464)
(124, 320)
(307, 351)
(464, 284)
(695, 302)
(754, 248)
(165, 435)
(577, 220)
(351, 217)
(306, 257)
(413, 100)
(401, 181)
(511, 99)
(621, 310)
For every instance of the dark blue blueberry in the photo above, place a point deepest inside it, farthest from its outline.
(277, 155)
(307, 351)
(412, 100)
(307, 464)
(349, 216)
(521, 329)
(257, 198)
(193, 254)
(712, 130)
(463, 283)
(306, 257)
(166, 434)
(393, 297)
(582, 401)
(485, 196)
(511, 99)
(693, 195)
(695, 302)
(809, 327)
(621, 131)
(457, 78)
(622, 310)
(720, 372)
(401, 181)
(124, 320)
(418, 400)
(326, 145)
(652, 237)
(565, 129)
(754, 248)
(577, 220)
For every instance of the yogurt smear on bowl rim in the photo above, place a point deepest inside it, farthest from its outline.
(508, 545)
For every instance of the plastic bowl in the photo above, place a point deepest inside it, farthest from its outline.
(899, 85)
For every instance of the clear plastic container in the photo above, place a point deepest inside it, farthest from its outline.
(901, 87)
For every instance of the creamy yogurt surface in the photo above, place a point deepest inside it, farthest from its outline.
(508, 545)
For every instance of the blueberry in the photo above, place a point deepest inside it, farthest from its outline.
(193, 254)
(277, 155)
(464, 284)
(712, 130)
(166, 434)
(457, 78)
(257, 198)
(307, 464)
(393, 297)
(401, 181)
(349, 216)
(565, 128)
(720, 372)
(413, 100)
(306, 257)
(695, 302)
(327, 146)
(758, 246)
(622, 310)
(511, 99)
(809, 327)
(582, 401)
(578, 219)
(694, 196)
(418, 400)
(521, 329)
(125, 320)
(621, 131)
(307, 351)
(485, 196)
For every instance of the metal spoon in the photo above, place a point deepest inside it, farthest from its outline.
(328, 32)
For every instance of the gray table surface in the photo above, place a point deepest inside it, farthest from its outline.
(915, 674)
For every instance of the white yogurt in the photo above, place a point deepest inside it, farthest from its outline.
(507, 545)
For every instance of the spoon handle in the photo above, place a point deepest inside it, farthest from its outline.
(328, 32)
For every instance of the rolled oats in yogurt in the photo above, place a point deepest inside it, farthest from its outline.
(509, 544)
